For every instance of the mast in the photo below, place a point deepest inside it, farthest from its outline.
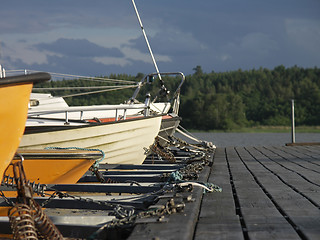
(146, 39)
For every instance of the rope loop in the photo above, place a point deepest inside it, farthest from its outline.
(97, 162)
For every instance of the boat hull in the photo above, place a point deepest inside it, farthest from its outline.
(122, 141)
(14, 98)
(168, 127)
(12, 121)
(55, 166)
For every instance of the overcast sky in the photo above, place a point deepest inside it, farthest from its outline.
(99, 37)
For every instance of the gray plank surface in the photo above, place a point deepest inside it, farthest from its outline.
(268, 193)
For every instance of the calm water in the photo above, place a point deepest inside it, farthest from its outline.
(255, 139)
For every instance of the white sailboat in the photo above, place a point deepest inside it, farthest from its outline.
(48, 110)
(125, 135)
(124, 131)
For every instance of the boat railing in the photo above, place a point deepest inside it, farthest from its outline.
(150, 77)
(2, 72)
(175, 100)
(118, 112)
(6, 73)
(147, 79)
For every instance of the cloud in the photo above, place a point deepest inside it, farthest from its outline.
(258, 43)
(78, 48)
(304, 33)
(20, 20)
(105, 35)
(169, 42)
(35, 16)
(250, 50)
(81, 66)
(12, 51)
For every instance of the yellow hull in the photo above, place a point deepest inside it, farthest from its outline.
(13, 115)
(52, 167)
(14, 98)
(55, 166)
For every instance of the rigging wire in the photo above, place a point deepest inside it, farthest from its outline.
(134, 84)
(81, 88)
(93, 92)
(87, 78)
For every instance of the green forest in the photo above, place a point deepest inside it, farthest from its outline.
(226, 100)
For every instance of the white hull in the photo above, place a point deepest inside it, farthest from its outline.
(122, 141)
(168, 127)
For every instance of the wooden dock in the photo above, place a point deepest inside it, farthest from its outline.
(268, 193)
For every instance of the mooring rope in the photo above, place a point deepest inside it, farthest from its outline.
(97, 162)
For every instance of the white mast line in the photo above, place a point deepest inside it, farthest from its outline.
(145, 37)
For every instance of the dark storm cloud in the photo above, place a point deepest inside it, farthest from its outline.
(79, 48)
(82, 66)
(170, 43)
(218, 35)
(34, 16)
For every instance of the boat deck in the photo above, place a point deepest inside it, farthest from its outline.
(268, 193)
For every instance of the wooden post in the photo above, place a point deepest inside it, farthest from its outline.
(293, 137)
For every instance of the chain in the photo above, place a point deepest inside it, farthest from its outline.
(188, 172)
(169, 208)
(159, 150)
(182, 145)
(52, 196)
(7, 200)
(120, 211)
(100, 177)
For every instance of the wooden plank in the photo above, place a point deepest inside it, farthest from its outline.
(298, 178)
(218, 218)
(228, 231)
(289, 202)
(284, 164)
(299, 158)
(315, 150)
(179, 225)
(261, 216)
(263, 197)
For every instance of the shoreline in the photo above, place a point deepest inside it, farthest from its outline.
(265, 129)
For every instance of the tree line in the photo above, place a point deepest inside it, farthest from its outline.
(229, 100)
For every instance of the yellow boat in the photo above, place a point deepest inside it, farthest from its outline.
(57, 166)
(14, 98)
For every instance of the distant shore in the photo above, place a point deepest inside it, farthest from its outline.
(268, 129)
